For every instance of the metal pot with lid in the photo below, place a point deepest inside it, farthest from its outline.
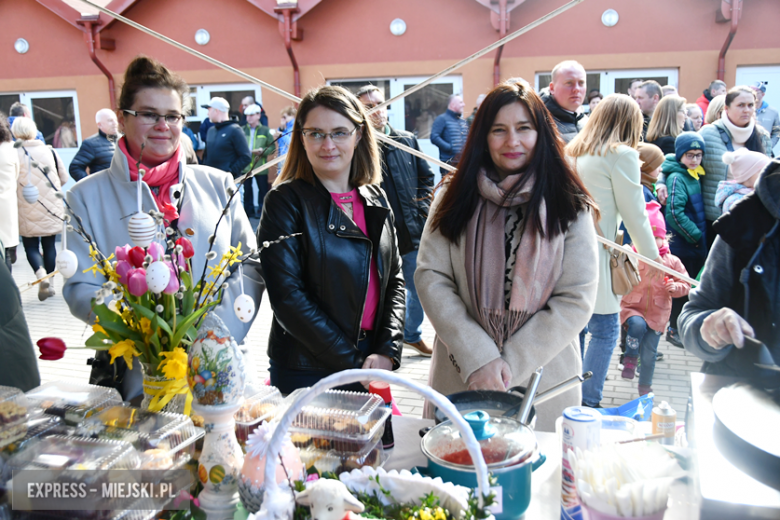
(509, 448)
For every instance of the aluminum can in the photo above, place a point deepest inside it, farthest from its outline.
(665, 422)
(581, 428)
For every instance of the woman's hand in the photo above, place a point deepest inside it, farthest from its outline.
(725, 327)
(496, 375)
(377, 361)
(662, 193)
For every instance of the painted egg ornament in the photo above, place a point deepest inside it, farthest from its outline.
(30, 193)
(67, 263)
(157, 277)
(244, 307)
(142, 229)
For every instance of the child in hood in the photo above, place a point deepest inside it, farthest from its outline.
(745, 167)
(646, 309)
(685, 213)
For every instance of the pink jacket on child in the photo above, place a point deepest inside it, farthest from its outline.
(649, 299)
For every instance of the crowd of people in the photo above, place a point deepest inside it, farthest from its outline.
(502, 256)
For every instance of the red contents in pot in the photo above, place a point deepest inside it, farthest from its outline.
(463, 458)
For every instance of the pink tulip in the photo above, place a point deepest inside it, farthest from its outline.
(136, 256)
(121, 252)
(122, 268)
(156, 250)
(136, 282)
(173, 284)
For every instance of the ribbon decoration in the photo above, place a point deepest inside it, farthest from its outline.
(167, 390)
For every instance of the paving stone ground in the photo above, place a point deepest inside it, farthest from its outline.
(52, 318)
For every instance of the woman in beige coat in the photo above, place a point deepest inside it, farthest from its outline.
(39, 223)
(507, 266)
(9, 177)
(608, 163)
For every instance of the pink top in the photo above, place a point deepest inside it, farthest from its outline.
(359, 217)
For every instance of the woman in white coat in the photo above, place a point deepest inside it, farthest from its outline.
(9, 176)
(41, 221)
(507, 266)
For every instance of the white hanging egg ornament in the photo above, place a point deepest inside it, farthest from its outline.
(30, 193)
(142, 229)
(244, 307)
(67, 263)
(157, 277)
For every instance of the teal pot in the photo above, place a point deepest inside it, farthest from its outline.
(509, 449)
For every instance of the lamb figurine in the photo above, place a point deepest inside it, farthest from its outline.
(329, 499)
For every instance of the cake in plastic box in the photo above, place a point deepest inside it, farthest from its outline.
(256, 409)
(36, 427)
(60, 452)
(347, 422)
(72, 401)
(13, 415)
(338, 462)
(163, 440)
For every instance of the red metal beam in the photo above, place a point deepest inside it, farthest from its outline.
(62, 10)
(119, 7)
(735, 7)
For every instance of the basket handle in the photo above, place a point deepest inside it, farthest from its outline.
(356, 375)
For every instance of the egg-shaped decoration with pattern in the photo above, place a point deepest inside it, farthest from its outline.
(30, 193)
(67, 263)
(157, 277)
(216, 369)
(142, 229)
(244, 307)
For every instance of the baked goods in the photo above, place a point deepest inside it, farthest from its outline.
(156, 458)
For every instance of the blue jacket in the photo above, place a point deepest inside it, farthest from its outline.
(95, 153)
(449, 134)
(226, 148)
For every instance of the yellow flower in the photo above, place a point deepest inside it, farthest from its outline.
(425, 515)
(97, 328)
(146, 326)
(233, 256)
(93, 254)
(95, 270)
(126, 349)
(174, 366)
(216, 271)
(439, 515)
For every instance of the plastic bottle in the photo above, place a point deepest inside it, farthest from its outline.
(383, 391)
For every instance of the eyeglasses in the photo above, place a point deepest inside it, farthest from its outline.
(339, 136)
(151, 118)
(694, 156)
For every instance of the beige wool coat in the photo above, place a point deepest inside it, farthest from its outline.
(34, 220)
(550, 338)
(9, 178)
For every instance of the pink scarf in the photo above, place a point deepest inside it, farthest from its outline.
(538, 265)
(161, 177)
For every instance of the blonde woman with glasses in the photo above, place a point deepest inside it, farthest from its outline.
(152, 107)
(607, 161)
(667, 123)
(336, 289)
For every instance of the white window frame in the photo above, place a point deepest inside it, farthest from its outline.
(608, 77)
(202, 96)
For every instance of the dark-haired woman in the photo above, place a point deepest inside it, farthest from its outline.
(9, 175)
(336, 290)
(507, 267)
(152, 107)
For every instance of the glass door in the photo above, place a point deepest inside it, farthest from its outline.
(617, 81)
(232, 92)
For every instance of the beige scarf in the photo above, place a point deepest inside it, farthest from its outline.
(538, 265)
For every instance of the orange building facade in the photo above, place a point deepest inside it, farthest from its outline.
(350, 42)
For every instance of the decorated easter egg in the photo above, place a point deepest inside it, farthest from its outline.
(244, 307)
(202, 474)
(220, 366)
(67, 263)
(216, 474)
(157, 277)
(142, 229)
(30, 193)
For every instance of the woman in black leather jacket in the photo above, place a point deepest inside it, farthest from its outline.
(337, 290)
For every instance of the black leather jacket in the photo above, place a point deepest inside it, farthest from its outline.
(317, 282)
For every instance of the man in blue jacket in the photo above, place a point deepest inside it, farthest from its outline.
(97, 150)
(226, 146)
(449, 132)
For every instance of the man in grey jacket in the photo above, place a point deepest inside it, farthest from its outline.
(766, 116)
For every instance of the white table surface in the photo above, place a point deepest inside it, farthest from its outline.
(546, 480)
